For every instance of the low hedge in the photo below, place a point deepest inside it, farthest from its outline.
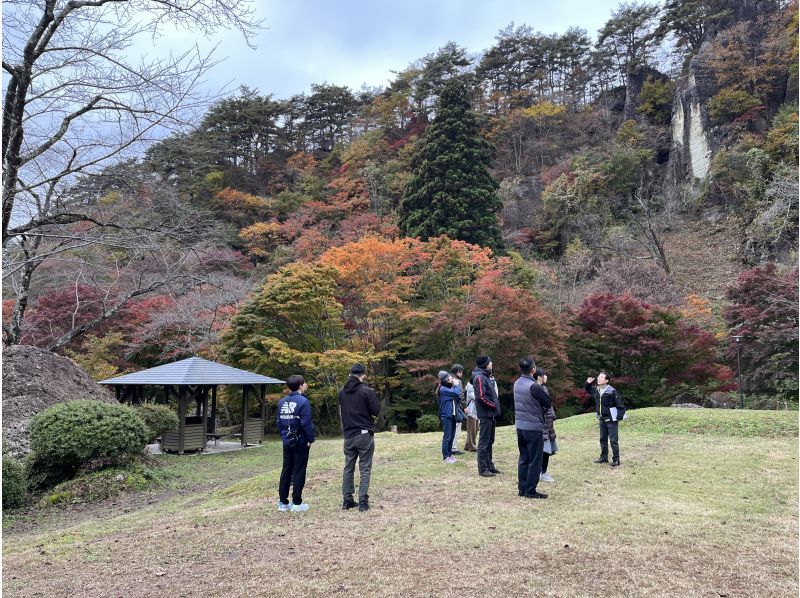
(14, 483)
(68, 435)
(427, 423)
(157, 418)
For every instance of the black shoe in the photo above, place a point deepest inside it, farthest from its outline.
(536, 495)
(348, 504)
(495, 471)
(486, 474)
(615, 463)
(363, 504)
(457, 452)
(601, 460)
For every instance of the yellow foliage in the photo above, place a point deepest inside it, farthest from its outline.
(544, 110)
(94, 359)
(262, 238)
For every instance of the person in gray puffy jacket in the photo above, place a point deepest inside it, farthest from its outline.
(531, 402)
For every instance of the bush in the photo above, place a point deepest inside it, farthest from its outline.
(729, 104)
(427, 423)
(656, 100)
(14, 485)
(67, 435)
(158, 419)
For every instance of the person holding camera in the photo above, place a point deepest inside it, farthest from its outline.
(297, 433)
(548, 431)
(449, 397)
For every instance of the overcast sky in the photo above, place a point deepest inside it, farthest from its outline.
(356, 42)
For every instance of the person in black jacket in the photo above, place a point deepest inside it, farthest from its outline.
(297, 433)
(487, 405)
(610, 410)
(358, 404)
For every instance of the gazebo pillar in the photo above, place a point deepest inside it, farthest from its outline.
(181, 418)
(244, 415)
(262, 397)
(214, 406)
(204, 392)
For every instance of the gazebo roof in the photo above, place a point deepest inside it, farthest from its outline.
(190, 372)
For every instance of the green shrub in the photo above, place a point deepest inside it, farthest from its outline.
(14, 484)
(656, 100)
(782, 137)
(67, 435)
(157, 418)
(427, 423)
(729, 104)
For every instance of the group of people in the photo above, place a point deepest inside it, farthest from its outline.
(477, 403)
(533, 414)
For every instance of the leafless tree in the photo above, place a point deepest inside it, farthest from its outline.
(156, 243)
(77, 98)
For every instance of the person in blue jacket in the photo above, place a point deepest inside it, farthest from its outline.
(448, 394)
(297, 433)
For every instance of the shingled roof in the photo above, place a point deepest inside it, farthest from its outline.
(190, 372)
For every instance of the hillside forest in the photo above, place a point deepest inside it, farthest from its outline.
(625, 199)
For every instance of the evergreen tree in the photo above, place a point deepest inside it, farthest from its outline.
(451, 191)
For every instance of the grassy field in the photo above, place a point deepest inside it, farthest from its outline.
(705, 504)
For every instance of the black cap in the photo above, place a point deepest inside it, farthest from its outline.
(457, 367)
(483, 361)
(358, 369)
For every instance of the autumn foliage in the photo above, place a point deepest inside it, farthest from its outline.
(648, 350)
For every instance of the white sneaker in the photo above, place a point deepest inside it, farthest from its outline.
(546, 477)
(284, 507)
(450, 460)
(300, 508)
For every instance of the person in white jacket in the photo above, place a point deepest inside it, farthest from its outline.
(471, 444)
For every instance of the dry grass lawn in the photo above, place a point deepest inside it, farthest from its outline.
(709, 511)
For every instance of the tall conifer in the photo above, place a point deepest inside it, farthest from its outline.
(451, 191)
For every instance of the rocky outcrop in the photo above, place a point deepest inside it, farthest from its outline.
(692, 143)
(35, 379)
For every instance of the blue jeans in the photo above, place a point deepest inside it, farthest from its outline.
(449, 427)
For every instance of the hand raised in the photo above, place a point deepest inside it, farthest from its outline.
(589, 380)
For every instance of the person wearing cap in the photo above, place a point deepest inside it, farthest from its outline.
(457, 372)
(487, 406)
(447, 395)
(358, 405)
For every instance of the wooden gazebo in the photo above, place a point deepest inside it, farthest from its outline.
(195, 379)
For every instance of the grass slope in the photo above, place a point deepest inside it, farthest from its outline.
(706, 503)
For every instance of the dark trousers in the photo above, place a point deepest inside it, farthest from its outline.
(358, 448)
(545, 461)
(449, 427)
(530, 460)
(485, 442)
(295, 461)
(609, 431)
